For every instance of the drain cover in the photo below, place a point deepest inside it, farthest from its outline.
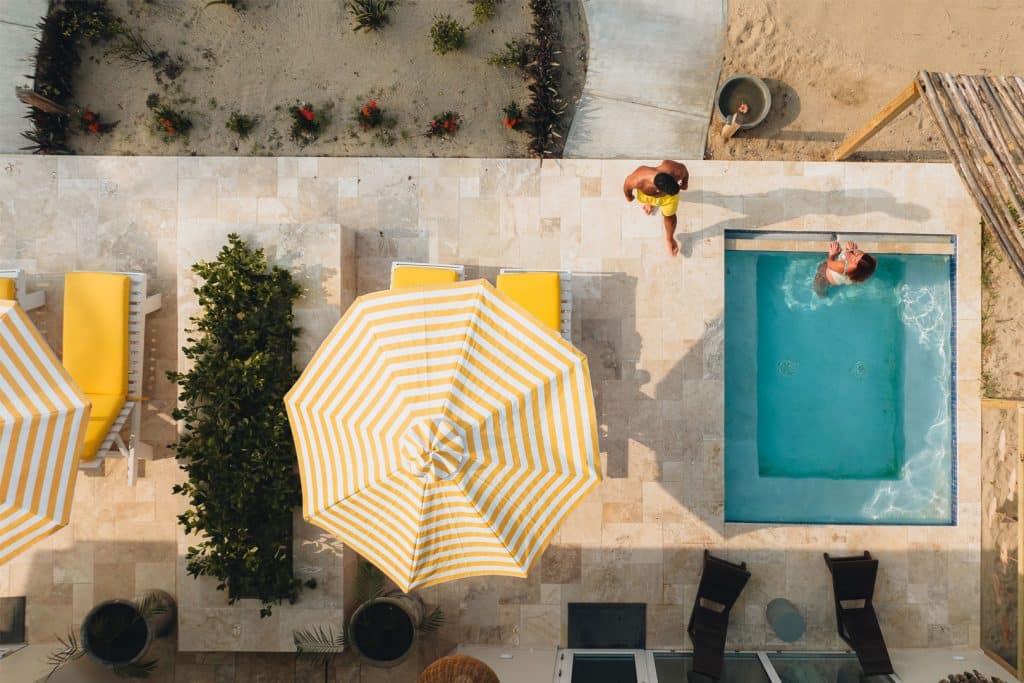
(788, 368)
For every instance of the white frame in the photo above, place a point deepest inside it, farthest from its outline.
(460, 271)
(564, 295)
(564, 661)
(27, 300)
(140, 304)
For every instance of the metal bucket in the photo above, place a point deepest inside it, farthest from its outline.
(740, 89)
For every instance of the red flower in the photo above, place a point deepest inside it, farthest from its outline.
(88, 115)
(366, 110)
(307, 113)
(94, 127)
(372, 104)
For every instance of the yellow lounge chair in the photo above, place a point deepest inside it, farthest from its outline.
(104, 336)
(405, 274)
(13, 285)
(547, 294)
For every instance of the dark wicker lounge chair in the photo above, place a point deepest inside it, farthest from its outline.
(853, 584)
(721, 583)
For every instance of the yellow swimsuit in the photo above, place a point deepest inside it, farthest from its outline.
(668, 204)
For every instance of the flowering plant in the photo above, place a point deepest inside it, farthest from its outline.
(90, 122)
(370, 115)
(513, 116)
(445, 124)
(171, 123)
(307, 123)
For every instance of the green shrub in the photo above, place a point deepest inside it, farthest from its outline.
(240, 124)
(515, 55)
(447, 34)
(309, 122)
(370, 15)
(237, 447)
(484, 10)
(171, 123)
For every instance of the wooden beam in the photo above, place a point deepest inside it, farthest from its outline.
(852, 143)
(1020, 540)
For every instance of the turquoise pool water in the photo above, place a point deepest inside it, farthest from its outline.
(837, 409)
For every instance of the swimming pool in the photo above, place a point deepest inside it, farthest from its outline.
(838, 409)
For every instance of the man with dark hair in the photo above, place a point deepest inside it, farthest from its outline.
(659, 186)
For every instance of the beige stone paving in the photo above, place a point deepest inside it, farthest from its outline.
(650, 325)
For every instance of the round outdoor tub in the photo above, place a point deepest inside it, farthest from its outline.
(744, 89)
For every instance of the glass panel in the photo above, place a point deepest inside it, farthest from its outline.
(795, 667)
(677, 667)
(603, 668)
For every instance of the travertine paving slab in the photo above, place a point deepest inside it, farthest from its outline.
(650, 325)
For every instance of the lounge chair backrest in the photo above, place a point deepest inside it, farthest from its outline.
(854, 579)
(722, 581)
(96, 331)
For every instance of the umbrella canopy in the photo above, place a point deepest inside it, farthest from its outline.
(43, 416)
(444, 432)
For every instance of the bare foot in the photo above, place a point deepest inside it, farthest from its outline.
(673, 246)
(648, 209)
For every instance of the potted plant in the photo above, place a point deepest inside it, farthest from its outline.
(118, 634)
(383, 627)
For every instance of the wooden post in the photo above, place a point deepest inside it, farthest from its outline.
(852, 143)
(1020, 541)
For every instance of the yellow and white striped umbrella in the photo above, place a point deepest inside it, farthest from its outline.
(43, 416)
(443, 432)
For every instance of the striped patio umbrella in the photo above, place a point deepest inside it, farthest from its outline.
(43, 416)
(443, 432)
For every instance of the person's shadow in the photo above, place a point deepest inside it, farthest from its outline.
(763, 210)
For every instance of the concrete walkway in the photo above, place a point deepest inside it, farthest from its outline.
(651, 78)
(18, 19)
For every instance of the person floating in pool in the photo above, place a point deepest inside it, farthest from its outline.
(659, 186)
(844, 266)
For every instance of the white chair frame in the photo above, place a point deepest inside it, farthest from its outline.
(27, 300)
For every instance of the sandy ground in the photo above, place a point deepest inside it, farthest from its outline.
(262, 60)
(1002, 319)
(999, 555)
(831, 66)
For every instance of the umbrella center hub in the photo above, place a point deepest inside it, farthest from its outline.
(434, 449)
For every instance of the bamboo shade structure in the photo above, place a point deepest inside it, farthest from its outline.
(982, 123)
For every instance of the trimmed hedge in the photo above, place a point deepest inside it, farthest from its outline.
(237, 445)
(62, 32)
(546, 109)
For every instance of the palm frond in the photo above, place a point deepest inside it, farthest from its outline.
(369, 582)
(432, 621)
(135, 669)
(151, 604)
(69, 652)
(319, 643)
